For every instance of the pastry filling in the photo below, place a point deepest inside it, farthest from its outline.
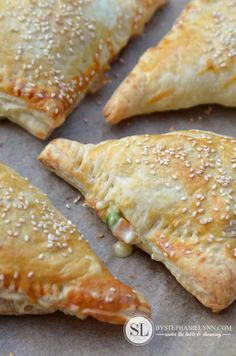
(112, 217)
(122, 249)
(120, 227)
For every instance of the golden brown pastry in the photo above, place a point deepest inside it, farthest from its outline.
(47, 265)
(54, 52)
(194, 64)
(173, 195)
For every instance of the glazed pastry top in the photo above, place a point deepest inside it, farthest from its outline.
(173, 195)
(53, 52)
(195, 63)
(46, 264)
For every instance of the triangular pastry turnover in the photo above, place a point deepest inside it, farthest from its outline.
(194, 64)
(54, 52)
(46, 265)
(173, 195)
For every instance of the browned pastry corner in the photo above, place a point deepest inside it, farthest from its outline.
(172, 195)
(54, 52)
(46, 264)
(194, 64)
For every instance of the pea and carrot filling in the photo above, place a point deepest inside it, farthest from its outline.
(120, 227)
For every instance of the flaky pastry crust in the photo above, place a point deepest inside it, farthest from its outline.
(54, 52)
(176, 196)
(194, 64)
(46, 264)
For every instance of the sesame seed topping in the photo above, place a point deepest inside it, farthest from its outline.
(61, 29)
(193, 191)
(26, 209)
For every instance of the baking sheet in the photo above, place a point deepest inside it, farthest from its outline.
(63, 335)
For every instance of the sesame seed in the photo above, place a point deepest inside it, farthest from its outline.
(30, 274)
(26, 238)
(15, 275)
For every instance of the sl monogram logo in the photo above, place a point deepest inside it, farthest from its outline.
(139, 330)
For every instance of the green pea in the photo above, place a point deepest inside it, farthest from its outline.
(113, 216)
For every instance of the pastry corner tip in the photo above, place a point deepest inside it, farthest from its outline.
(125, 101)
(110, 113)
(60, 155)
(117, 108)
(46, 154)
(114, 302)
(139, 308)
(43, 152)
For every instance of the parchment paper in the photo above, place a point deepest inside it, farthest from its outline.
(63, 335)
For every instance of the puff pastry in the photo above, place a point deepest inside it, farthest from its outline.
(173, 195)
(194, 64)
(54, 52)
(47, 265)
